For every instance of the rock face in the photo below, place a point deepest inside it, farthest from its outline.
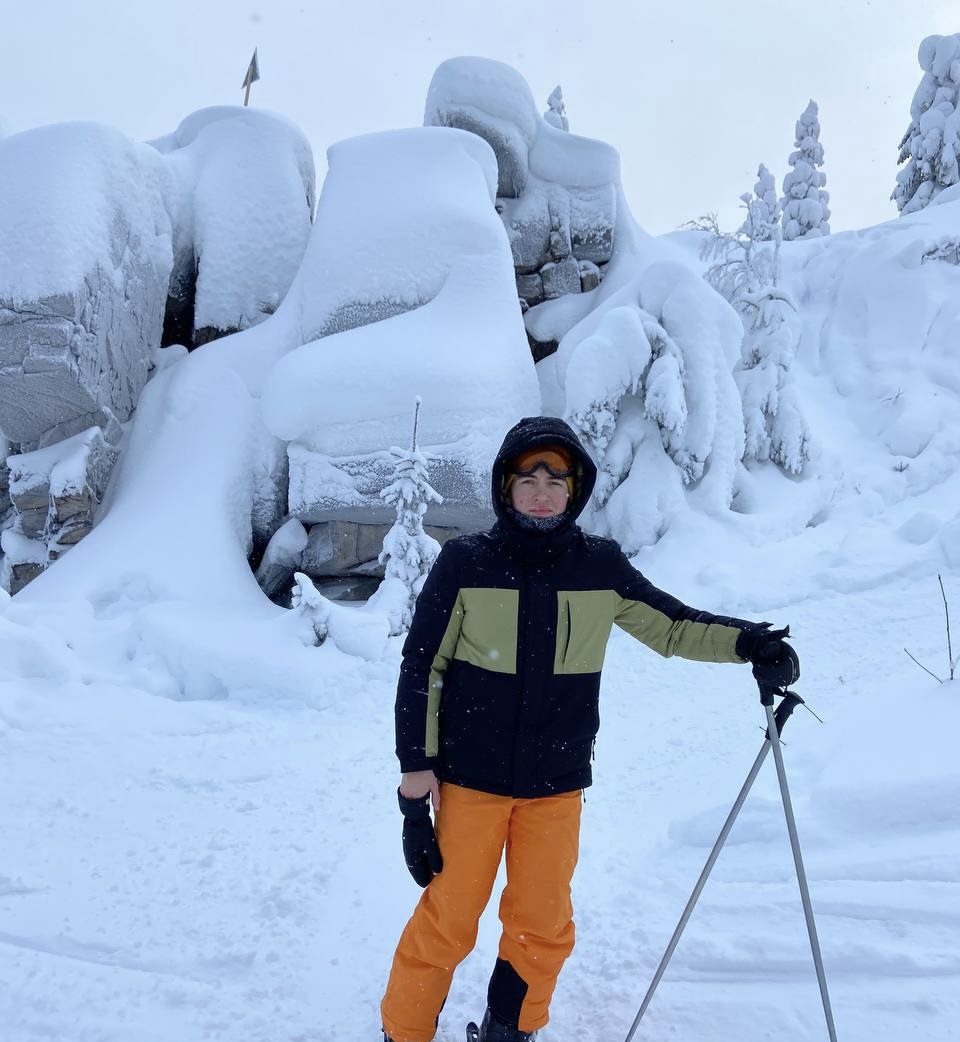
(85, 261)
(110, 249)
(55, 492)
(557, 192)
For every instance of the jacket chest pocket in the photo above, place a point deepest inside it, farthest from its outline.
(488, 633)
(584, 619)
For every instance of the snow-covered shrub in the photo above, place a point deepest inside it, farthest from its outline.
(646, 380)
(556, 114)
(354, 631)
(773, 422)
(931, 145)
(805, 210)
(408, 552)
(745, 269)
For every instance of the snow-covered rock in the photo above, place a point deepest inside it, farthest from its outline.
(246, 191)
(85, 260)
(406, 228)
(55, 493)
(557, 192)
(282, 557)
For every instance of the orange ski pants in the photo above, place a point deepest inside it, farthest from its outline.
(541, 837)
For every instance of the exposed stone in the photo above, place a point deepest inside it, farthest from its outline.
(947, 251)
(541, 349)
(530, 288)
(22, 574)
(55, 492)
(593, 216)
(344, 548)
(71, 356)
(68, 535)
(527, 221)
(560, 245)
(23, 559)
(340, 547)
(325, 488)
(560, 278)
(271, 478)
(363, 313)
(282, 557)
(508, 146)
(589, 276)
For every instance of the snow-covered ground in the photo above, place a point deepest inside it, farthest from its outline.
(224, 864)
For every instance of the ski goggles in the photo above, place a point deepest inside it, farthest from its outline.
(554, 459)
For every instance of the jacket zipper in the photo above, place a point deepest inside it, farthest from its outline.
(566, 647)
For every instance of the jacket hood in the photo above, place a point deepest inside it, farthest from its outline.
(530, 432)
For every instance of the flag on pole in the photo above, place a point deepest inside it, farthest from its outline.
(251, 77)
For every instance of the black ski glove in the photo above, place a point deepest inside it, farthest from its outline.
(420, 849)
(775, 663)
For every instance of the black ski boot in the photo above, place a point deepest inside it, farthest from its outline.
(493, 1030)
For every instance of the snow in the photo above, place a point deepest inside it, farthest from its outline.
(406, 220)
(245, 178)
(88, 179)
(85, 259)
(201, 834)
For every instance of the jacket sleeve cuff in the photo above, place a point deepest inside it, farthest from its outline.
(409, 764)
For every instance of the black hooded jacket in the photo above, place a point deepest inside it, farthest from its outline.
(500, 679)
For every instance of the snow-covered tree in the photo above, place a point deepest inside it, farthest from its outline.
(741, 262)
(765, 212)
(408, 551)
(931, 145)
(746, 271)
(556, 114)
(773, 423)
(805, 210)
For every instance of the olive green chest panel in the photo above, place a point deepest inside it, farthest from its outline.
(584, 620)
(488, 631)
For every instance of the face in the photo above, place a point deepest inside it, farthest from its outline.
(539, 494)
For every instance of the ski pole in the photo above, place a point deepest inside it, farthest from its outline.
(790, 701)
(773, 730)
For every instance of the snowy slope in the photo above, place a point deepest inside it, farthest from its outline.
(187, 866)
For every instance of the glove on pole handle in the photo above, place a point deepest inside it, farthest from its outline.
(790, 701)
(773, 726)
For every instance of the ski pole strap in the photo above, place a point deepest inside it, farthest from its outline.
(784, 711)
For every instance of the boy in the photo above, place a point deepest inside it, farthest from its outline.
(496, 715)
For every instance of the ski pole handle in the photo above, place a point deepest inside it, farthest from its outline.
(784, 711)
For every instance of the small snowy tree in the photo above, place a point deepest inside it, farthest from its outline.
(408, 551)
(765, 211)
(746, 271)
(741, 262)
(931, 145)
(556, 114)
(805, 210)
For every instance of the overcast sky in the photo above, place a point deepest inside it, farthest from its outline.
(693, 93)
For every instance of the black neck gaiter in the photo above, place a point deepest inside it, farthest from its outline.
(536, 540)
